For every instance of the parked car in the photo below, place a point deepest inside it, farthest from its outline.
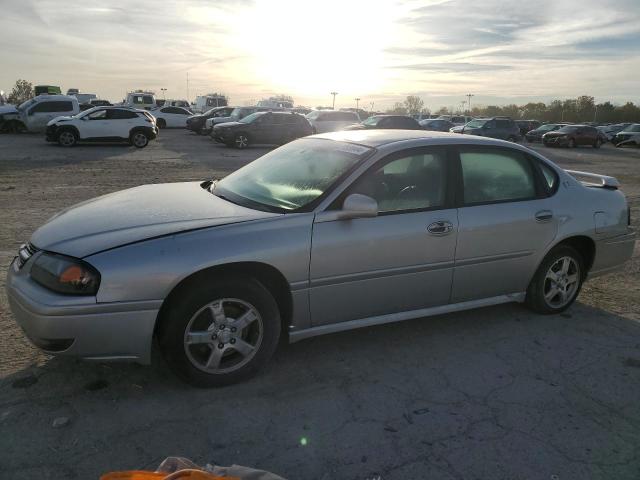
(573, 136)
(536, 134)
(331, 120)
(456, 119)
(629, 136)
(403, 122)
(104, 124)
(205, 103)
(34, 114)
(176, 103)
(325, 234)
(85, 106)
(503, 128)
(140, 99)
(96, 102)
(610, 131)
(85, 97)
(197, 123)
(262, 128)
(171, 117)
(236, 114)
(436, 125)
(526, 126)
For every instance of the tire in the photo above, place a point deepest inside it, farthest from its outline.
(67, 138)
(241, 141)
(512, 139)
(161, 123)
(598, 143)
(192, 331)
(540, 297)
(572, 143)
(138, 139)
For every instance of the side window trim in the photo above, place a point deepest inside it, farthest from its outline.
(449, 173)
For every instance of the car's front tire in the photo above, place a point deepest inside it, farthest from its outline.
(139, 139)
(557, 282)
(598, 143)
(221, 331)
(67, 138)
(241, 141)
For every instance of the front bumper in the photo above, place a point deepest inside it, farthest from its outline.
(223, 135)
(78, 326)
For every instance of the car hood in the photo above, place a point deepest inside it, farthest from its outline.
(8, 109)
(555, 134)
(457, 129)
(358, 126)
(59, 119)
(137, 214)
(229, 124)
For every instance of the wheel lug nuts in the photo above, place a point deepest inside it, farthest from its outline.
(233, 329)
(233, 340)
(221, 345)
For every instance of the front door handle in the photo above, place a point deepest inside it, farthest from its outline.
(544, 215)
(441, 227)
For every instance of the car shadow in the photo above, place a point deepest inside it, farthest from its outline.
(415, 396)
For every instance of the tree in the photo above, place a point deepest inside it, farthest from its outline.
(22, 91)
(443, 111)
(413, 105)
(398, 109)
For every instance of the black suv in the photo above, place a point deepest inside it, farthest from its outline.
(262, 127)
(503, 128)
(402, 122)
(197, 122)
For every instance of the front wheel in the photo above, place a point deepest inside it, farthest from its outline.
(220, 332)
(139, 139)
(67, 138)
(597, 144)
(557, 282)
(241, 141)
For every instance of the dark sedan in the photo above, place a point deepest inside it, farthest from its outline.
(196, 123)
(536, 135)
(573, 136)
(526, 126)
(436, 125)
(402, 122)
(262, 128)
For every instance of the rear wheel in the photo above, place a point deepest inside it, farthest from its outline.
(598, 143)
(67, 138)
(557, 281)
(220, 332)
(139, 139)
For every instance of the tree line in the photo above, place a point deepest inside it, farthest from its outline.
(576, 110)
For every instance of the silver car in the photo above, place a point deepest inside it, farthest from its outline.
(327, 233)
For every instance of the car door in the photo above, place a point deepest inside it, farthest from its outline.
(40, 114)
(505, 220)
(120, 122)
(95, 125)
(401, 260)
(262, 129)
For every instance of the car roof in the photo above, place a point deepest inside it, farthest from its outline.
(376, 138)
(45, 97)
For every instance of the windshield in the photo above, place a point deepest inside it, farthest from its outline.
(291, 176)
(568, 129)
(251, 118)
(372, 121)
(632, 128)
(26, 104)
(547, 127)
(476, 123)
(313, 115)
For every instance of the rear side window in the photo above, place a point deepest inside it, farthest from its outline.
(550, 177)
(496, 176)
(503, 124)
(116, 114)
(53, 107)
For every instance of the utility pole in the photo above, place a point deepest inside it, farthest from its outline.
(462, 104)
(371, 111)
(469, 95)
(334, 100)
(187, 86)
(357, 102)
(164, 97)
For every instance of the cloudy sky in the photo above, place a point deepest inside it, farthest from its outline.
(501, 51)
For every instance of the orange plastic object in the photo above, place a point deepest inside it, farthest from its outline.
(179, 475)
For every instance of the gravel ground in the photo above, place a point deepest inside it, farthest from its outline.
(493, 393)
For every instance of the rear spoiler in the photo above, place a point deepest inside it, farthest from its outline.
(595, 180)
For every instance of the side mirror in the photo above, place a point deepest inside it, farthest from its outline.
(357, 205)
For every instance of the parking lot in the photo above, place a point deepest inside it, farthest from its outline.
(495, 393)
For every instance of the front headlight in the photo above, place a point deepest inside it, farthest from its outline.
(67, 275)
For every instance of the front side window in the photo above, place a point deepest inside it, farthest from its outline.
(117, 114)
(496, 176)
(98, 115)
(291, 176)
(413, 182)
(503, 123)
(251, 118)
(476, 123)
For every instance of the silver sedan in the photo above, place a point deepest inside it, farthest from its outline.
(327, 233)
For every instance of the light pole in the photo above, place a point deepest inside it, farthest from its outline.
(164, 97)
(334, 100)
(357, 102)
(469, 95)
(371, 111)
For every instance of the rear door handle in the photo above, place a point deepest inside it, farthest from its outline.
(544, 215)
(441, 227)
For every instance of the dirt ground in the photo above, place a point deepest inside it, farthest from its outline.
(494, 393)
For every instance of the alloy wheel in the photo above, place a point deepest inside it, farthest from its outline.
(67, 139)
(140, 140)
(561, 282)
(242, 141)
(223, 335)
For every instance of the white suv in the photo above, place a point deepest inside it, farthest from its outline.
(104, 124)
(331, 120)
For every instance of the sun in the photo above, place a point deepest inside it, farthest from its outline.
(311, 48)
